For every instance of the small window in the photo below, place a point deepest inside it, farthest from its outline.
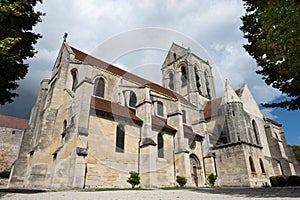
(75, 79)
(160, 145)
(171, 81)
(160, 108)
(174, 55)
(198, 81)
(252, 165)
(132, 99)
(262, 166)
(254, 126)
(65, 126)
(207, 85)
(183, 77)
(120, 138)
(183, 116)
(99, 87)
(13, 132)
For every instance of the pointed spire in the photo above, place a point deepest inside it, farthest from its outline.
(65, 37)
(229, 94)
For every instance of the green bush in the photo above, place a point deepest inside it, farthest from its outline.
(212, 179)
(181, 180)
(281, 180)
(134, 179)
(5, 173)
(293, 181)
(274, 182)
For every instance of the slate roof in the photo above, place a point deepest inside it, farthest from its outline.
(161, 123)
(13, 122)
(114, 108)
(83, 57)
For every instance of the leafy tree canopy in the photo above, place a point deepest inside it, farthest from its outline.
(17, 18)
(272, 29)
(296, 150)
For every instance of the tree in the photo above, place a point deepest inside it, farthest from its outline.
(17, 18)
(212, 179)
(134, 179)
(272, 29)
(296, 150)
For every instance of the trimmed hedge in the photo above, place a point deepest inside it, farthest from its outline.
(5, 173)
(282, 181)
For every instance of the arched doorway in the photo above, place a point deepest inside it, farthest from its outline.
(195, 169)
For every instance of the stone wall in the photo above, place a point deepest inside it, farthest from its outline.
(9, 146)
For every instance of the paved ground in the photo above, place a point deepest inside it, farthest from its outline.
(207, 194)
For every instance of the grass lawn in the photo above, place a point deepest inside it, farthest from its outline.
(2, 194)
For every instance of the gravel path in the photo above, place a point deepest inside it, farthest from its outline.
(232, 194)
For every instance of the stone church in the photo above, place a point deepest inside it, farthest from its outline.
(93, 123)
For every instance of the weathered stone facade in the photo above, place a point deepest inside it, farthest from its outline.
(11, 133)
(93, 123)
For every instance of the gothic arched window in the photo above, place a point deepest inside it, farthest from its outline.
(160, 145)
(160, 108)
(171, 81)
(207, 85)
(252, 167)
(262, 166)
(74, 78)
(183, 76)
(183, 116)
(254, 126)
(120, 138)
(198, 81)
(99, 87)
(132, 99)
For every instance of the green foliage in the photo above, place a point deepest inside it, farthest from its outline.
(272, 29)
(293, 181)
(281, 181)
(181, 180)
(296, 150)
(212, 179)
(17, 18)
(5, 173)
(134, 179)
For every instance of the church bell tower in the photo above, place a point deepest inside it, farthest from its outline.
(187, 74)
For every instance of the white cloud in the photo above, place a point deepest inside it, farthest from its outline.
(211, 23)
(268, 113)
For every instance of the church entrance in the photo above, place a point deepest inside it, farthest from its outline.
(195, 169)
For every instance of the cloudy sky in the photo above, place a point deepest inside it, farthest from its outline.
(209, 27)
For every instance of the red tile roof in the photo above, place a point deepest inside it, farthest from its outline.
(13, 122)
(81, 56)
(114, 108)
(188, 132)
(211, 108)
(161, 123)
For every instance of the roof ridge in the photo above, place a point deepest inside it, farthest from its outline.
(84, 57)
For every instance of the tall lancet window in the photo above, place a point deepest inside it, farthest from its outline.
(132, 99)
(207, 85)
(74, 78)
(171, 81)
(99, 87)
(198, 81)
(255, 130)
(160, 145)
(183, 77)
(120, 138)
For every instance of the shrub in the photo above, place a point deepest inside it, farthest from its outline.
(281, 180)
(181, 180)
(134, 179)
(293, 181)
(5, 173)
(273, 181)
(212, 179)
